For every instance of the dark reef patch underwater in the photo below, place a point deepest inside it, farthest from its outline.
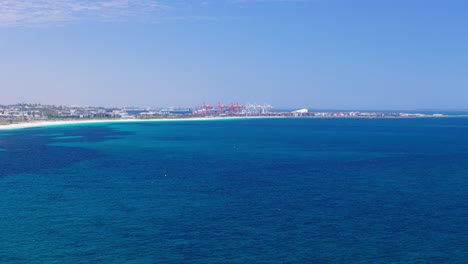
(237, 191)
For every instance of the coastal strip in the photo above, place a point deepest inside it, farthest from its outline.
(48, 123)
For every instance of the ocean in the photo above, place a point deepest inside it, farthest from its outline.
(278, 190)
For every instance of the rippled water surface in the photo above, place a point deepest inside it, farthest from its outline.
(236, 191)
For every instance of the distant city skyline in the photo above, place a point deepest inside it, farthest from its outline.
(320, 54)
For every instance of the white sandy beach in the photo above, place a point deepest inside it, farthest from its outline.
(56, 123)
(34, 124)
(47, 123)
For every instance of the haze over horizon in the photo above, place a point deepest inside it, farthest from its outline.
(331, 54)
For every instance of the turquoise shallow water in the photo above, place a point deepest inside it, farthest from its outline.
(237, 191)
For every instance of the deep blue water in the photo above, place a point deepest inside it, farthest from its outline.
(237, 191)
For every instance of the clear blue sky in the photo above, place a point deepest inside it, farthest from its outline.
(348, 54)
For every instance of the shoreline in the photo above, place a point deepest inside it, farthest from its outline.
(49, 123)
